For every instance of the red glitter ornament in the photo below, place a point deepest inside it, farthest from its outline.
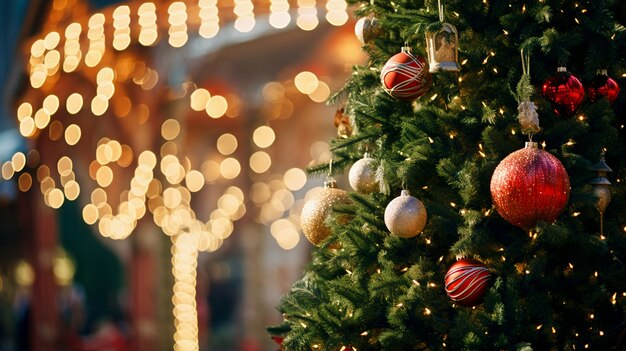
(603, 86)
(530, 185)
(405, 76)
(467, 281)
(564, 91)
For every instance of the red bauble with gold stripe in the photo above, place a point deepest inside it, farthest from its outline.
(405, 75)
(530, 185)
(467, 282)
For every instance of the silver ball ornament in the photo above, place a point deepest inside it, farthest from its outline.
(362, 175)
(405, 216)
(366, 29)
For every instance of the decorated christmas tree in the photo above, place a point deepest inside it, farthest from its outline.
(487, 159)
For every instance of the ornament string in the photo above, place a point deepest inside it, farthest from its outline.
(440, 9)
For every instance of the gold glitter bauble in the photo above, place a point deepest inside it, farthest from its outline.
(362, 175)
(603, 197)
(405, 216)
(317, 210)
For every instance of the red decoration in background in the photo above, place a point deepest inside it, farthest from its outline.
(603, 86)
(405, 76)
(530, 185)
(467, 281)
(564, 91)
(279, 340)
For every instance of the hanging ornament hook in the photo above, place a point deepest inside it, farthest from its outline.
(440, 9)
(525, 62)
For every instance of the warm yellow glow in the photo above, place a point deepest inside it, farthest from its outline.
(282, 200)
(41, 119)
(211, 171)
(172, 198)
(216, 106)
(280, 20)
(114, 150)
(25, 182)
(24, 110)
(51, 40)
(245, 24)
(260, 193)
(170, 129)
(230, 168)
(260, 162)
(175, 173)
(307, 15)
(38, 76)
(105, 75)
(51, 61)
(294, 179)
(72, 134)
(194, 181)
(147, 158)
(7, 170)
(227, 144)
(263, 136)
(24, 274)
(336, 15)
(55, 131)
(126, 157)
(74, 103)
(321, 93)
(99, 105)
(38, 48)
(287, 238)
(27, 126)
(121, 22)
(18, 161)
(64, 166)
(209, 17)
(104, 176)
(72, 190)
(199, 99)
(55, 198)
(306, 82)
(177, 20)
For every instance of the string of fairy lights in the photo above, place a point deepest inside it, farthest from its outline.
(163, 180)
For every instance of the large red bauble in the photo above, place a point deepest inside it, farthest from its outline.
(603, 86)
(530, 185)
(405, 76)
(564, 91)
(467, 281)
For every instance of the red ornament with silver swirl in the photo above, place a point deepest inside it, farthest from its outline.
(467, 281)
(564, 91)
(405, 76)
(530, 185)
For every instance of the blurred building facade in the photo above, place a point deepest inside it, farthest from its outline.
(153, 189)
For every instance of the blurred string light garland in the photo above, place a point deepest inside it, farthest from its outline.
(168, 199)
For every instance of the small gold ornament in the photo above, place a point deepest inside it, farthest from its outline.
(317, 210)
(362, 175)
(443, 46)
(601, 189)
(405, 216)
(528, 117)
(443, 49)
(343, 124)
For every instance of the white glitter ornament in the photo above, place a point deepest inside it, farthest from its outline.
(362, 175)
(405, 216)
